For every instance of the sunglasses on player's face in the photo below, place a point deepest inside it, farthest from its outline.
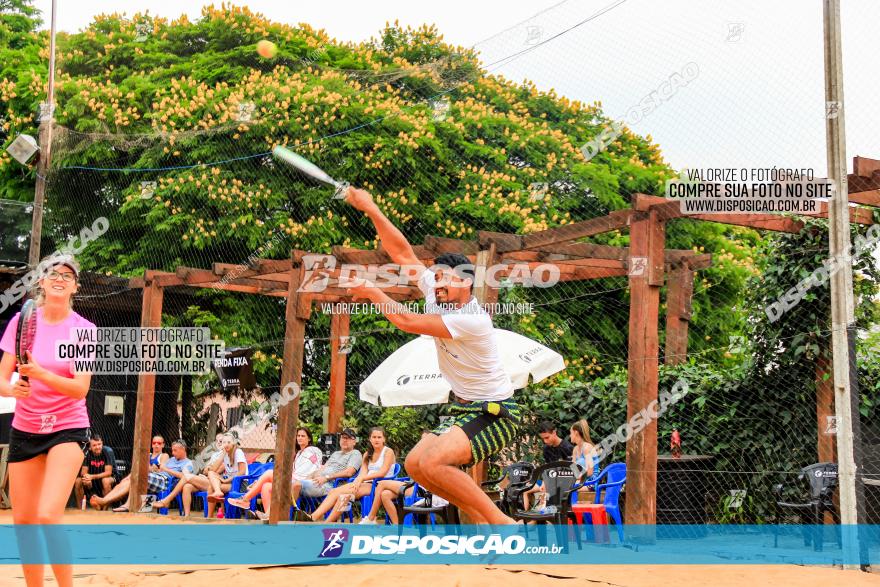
(56, 275)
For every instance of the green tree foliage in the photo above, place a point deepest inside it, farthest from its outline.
(145, 93)
(23, 73)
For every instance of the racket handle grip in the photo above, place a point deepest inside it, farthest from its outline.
(341, 190)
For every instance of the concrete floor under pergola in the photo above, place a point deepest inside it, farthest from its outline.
(646, 262)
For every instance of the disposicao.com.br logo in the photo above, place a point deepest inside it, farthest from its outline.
(334, 542)
(475, 545)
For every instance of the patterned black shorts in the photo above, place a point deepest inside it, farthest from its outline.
(487, 432)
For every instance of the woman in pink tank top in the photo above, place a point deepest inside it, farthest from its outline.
(51, 425)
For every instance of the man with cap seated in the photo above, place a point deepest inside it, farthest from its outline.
(342, 464)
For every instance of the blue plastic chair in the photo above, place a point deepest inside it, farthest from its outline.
(236, 482)
(609, 483)
(255, 471)
(172, 482)
(367, 500)
(588, 482)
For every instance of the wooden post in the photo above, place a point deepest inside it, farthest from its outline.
(846, 394)
(296, 315)
(339, 327)
(213, 417)
(151, 317)
(826, 445)
(679, 296)
(647, 238)
(485, 294)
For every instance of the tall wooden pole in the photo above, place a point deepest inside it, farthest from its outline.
(151, 317)
(46, 120)
(296, 315)
(842, 315)
(339, 327)
(646, 265)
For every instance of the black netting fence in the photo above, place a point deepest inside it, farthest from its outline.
(165, 129)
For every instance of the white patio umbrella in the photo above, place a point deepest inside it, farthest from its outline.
(410, 375)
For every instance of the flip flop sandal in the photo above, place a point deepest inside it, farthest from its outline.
(123, 509)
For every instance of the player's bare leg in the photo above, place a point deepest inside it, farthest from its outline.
(435, 462)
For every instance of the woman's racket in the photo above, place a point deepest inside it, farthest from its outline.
(26, 331)
(306, 167)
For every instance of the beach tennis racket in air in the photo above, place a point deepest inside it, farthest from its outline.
(26, 331)
(308, 168)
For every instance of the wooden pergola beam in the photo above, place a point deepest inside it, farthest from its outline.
(679, 298)
(590, 250)
(560, 234)
(865, 166)
(613, 221)
(296, 316)
(151, 317)
(377, 256)
(647, 242)
(439, 245)
(671, 209)
(863, 183)
(339, 328)
(207, 278)
(866, 198)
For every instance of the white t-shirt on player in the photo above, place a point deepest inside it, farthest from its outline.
(469, 361)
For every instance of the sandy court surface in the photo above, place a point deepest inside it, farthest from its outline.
(437, 575)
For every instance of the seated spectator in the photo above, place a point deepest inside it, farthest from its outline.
(306, 461)
(386, 493)
(342, 464)
(178, 467)
(555, 449)
(585, 454)
(216, 456)
(98, 470)
(216, 482)
(378, 460)
(158, 457)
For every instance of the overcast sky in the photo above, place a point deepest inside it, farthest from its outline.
(755, 84)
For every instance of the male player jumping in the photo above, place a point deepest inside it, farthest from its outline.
(484, 415)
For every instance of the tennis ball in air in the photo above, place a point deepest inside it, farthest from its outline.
(267, 49)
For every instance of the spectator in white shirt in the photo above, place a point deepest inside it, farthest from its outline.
(307, 461)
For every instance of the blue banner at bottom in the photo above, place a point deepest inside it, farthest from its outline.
(317, 544)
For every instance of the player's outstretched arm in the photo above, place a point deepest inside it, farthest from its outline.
(398, 314)
(392, 239)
